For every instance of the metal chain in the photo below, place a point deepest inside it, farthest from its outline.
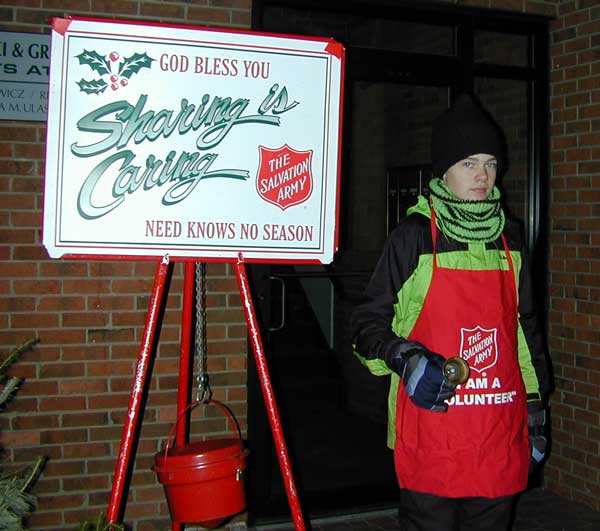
(203, 391)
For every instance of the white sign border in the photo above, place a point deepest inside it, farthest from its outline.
(327, 245)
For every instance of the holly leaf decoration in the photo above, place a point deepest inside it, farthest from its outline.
(132, 65)
(95, 61)
(95, 86)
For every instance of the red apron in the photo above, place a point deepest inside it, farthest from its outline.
(479, 447)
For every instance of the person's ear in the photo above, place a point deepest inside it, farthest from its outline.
(445, 178)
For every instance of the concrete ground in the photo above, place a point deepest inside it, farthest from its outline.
(537, 510)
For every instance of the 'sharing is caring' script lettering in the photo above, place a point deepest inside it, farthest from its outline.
(124, 126)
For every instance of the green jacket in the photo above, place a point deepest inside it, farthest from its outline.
(394, 297)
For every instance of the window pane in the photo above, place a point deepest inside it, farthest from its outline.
(390, 136)
(361, 30)
(501, 48)
(402, 36)
(507, 102)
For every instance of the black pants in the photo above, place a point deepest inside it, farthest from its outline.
(426, 512)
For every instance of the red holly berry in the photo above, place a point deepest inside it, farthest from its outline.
(114, 78)
(114, 56)
(124, 82)
(114, 86)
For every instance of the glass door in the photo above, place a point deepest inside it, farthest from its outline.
(334, 412)
(404, 66)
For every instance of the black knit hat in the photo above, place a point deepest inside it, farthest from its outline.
(465, 129)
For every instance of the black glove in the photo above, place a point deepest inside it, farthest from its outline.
(536, 424)
(421, 373)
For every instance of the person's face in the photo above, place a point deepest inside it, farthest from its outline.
(472, 178)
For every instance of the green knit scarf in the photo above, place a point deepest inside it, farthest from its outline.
(464, 220)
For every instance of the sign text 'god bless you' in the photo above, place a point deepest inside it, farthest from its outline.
(191, 142)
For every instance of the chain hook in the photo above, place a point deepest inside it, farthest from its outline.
(203, 391)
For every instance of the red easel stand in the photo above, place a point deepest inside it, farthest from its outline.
(139, 390)
(267, 389)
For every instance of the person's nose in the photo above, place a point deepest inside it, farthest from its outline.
(482, 174)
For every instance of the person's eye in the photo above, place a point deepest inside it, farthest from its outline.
(492, 164)
(467, 164)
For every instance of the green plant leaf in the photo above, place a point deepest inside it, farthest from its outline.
(9, 389)
(95, 61)
(101, 524)
(133, 64)
(95, 86)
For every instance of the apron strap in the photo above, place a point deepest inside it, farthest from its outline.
(434, 235)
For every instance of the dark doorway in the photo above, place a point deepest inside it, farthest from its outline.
(404, 66)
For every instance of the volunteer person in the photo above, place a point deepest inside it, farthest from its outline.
(452, 281)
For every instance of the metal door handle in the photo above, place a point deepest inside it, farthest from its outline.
(282, 321)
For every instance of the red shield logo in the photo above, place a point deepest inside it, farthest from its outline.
(284, 176)
(478, 347)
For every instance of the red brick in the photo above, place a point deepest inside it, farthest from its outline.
(16, 167)
(35, 321)
(114, 368)
(241, 18)
(29, 151)
(588, 83)
(111, 269)
(39, 422)
(85, 319)
(577, 72)
(20, 133)
(86, 286)
(111, 401)
(26, 219)
(36, 286)
(17, 269)
(589, 167)
(590, 27)
(70, 403)
(590, 111)
(578, 154)
(20, 304)
(161, 10)
(29, 252)
(20, 438)
(80, 386)
(115, 7)
(62, 370)
(86, 483)
(63, 336)
(576, 45)
(61, 501)
(17, 201)
(206, 15)
(63, 269)
(45, 520)
(573, 100)
(61, 303)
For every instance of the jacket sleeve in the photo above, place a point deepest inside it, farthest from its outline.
(532, 351)
(371, 321)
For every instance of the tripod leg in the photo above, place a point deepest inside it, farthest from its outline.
(267, 389)
(129, 437)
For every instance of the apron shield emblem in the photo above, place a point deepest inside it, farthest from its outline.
(479, 348)
(284, 176)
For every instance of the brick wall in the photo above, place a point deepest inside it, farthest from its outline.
(574, 332)
(90, 316)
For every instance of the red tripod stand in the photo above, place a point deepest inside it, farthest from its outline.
(139, 389)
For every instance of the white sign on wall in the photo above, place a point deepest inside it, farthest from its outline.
(192, 142)
(24, 64)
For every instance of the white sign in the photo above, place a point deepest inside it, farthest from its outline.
(24, 64)
(192, 142)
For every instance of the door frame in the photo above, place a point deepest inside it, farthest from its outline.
(458, 72)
